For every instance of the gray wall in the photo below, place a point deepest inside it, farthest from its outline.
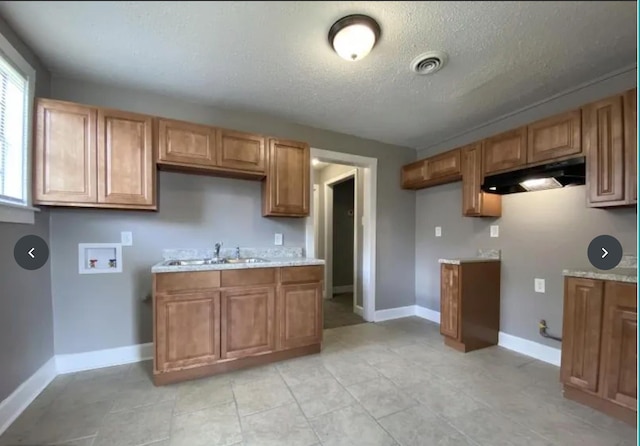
(541, 233)
(26, 320)
(343, 202)
(97, 312)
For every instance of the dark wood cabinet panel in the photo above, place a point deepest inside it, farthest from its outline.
(555, 138)
(506, 151)
(187, 330)
(186, 143)
(241, 151)
(65, 166)
(476, 203)
(286, 189)
(248, 321)
(581, 333)
(126, 165)
(301, 318)
(631, 144)
(602, 128)
(620, 361)
(450, 300)
(414, 175)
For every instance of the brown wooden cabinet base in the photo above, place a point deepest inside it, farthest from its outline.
(612, 409)
(161, 379)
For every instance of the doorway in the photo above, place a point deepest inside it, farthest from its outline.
(341, 230)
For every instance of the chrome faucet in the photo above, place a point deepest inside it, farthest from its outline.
(217, 250)
(237, 252)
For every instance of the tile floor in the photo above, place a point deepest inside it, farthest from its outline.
(392, 383)
(338, 311)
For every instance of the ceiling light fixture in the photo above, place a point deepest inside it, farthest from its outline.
(315, 161)
(353, 36)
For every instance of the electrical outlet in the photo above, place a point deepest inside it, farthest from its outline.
(438, 231)
(538, 285)
(278, 240)
(126, 238)
(494, 231)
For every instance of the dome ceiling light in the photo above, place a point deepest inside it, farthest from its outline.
(353, 36)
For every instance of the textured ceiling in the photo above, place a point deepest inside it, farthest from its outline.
(273, 57)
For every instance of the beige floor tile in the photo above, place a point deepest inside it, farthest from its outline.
(299, 372)
(202, 393)
(80, 442)
(373, 354)
(136, 427)
(321, 396)
(285, 425)
(57, 425)
(140, 393)
(252, 374)
(215, 426)
(402, 373)
(380, 397)
(115, 372)
(139, 371)
(418, 426)
(261, 395)
(87, 391)
(443, 399)
(349, 426)
(53, 390)
(351, 372)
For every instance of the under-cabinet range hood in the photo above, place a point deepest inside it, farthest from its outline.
(547, 176)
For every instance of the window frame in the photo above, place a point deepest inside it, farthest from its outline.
(10, 212)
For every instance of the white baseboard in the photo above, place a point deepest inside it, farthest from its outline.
(19, 400)
(343, 289)
(395, 313)
(428, 314)
(358, 310)
(78, 362)
(533, 349)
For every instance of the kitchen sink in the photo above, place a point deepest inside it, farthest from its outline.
(246, 260)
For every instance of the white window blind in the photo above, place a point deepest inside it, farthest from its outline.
(13, 134)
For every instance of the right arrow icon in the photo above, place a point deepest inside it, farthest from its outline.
(604, 253)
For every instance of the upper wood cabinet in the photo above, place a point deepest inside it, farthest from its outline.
(241, 151)
(581, 332)
(476, 203)
(631, 144)
(186, 144)
(286, 187)
(444, 168)
(555, 138)
(93, 157)
(414, 175)
(65, 153)
(126, 168)
(506, 151)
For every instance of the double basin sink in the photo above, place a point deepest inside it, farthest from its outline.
(218, 261)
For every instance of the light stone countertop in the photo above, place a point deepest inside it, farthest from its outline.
(271, 263)
(629, 275)
(467, 260)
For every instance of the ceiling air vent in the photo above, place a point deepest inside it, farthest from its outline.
(429, 63)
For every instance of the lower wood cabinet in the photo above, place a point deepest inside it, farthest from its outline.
(470, 304)
(248, 321)
(207, 322)
(599, 344)
(187, 330)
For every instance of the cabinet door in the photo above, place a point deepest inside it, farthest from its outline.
(631, 144)
(300, 308)
(581, 332)
(506, 151)
(414, 175)
(241, 151)
(186, 143)
(450, 301)
(287, 186)
(65, 153)
(187, 330)
(126, 168)
(555, 138)
(248, 316)
(444, 167)
(476, 203)
(620, 341)
(603, 139)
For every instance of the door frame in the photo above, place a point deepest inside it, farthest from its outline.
(369, 170)
(328, 234)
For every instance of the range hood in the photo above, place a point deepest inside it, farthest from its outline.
(547, 176)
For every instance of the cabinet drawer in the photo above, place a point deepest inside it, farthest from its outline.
(300, 274)
(247, 277)
(186, 282)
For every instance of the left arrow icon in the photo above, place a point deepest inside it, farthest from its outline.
(31, 253)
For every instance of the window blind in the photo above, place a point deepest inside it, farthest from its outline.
(13, 134)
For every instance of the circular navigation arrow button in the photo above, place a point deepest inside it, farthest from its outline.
(31, 252)
(604, 252)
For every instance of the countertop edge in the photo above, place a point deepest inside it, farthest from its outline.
(160, 268)
(469, 260)
(604, 275)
